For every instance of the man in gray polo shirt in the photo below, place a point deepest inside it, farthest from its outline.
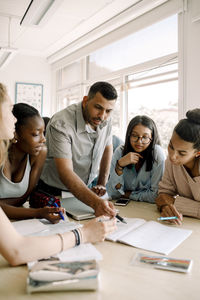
(79, 142)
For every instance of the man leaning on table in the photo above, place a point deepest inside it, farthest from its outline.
(79, 142)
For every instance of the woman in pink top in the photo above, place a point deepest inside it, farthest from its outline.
(179, 189)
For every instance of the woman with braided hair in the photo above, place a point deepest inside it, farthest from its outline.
(18, 249)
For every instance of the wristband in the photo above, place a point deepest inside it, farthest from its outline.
(80, 234)
(120, 168)
(77, 237)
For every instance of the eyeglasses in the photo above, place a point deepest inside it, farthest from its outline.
(144, 139)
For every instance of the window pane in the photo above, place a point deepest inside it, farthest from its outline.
(71, 74)
(68, 97)
(159, 101)
(116, 115)
(154, 41)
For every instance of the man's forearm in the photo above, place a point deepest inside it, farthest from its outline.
(79, 189)
(105, 165)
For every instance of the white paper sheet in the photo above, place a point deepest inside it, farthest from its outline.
(43, 227)
(122, 229)
(61, 227)
(28, 227)
(156, 237)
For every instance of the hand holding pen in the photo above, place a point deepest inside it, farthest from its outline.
(60, 213)
(104, 208)
(52, 202)
(169, 211)
(49, 213)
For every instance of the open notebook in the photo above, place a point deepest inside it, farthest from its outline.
(151, 235)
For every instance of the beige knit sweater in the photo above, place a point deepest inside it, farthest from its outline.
(177, 181)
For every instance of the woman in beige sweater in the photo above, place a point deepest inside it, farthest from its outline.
(179, 189)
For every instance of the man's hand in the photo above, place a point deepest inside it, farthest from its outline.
(104, 207)
(100, 190)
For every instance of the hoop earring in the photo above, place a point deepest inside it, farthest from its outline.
(14, 140)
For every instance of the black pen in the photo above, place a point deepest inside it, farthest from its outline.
(121, 219)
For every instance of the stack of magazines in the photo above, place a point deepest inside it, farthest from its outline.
(54, 275)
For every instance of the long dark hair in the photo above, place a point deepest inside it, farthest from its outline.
(148, 153)
(189, 129)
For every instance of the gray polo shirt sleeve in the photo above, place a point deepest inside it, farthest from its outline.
(59, 140)
(67, 137)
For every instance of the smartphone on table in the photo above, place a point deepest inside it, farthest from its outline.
(122, 201)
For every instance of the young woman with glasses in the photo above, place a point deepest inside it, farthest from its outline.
(137, 167)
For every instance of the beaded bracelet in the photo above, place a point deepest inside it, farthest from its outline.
(77, 237)
(80, 234)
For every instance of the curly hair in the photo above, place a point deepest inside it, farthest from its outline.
(22, 112)
(189, 129)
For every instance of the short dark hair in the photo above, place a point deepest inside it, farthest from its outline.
(148, 153)
(104, 88)
(22, 112)
(189, 129)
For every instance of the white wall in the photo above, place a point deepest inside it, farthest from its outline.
(28, 69)
(190, 58)
(36, 69)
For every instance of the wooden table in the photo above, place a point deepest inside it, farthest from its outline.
(118, 279)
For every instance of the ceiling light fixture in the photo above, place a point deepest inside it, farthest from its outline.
(6, 53)
(38, 12)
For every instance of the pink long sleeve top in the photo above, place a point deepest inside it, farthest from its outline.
(176, 181)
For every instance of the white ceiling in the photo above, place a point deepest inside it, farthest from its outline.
(71, 20)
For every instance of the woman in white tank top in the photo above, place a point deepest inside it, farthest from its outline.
(23, 165)
(17, 249)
